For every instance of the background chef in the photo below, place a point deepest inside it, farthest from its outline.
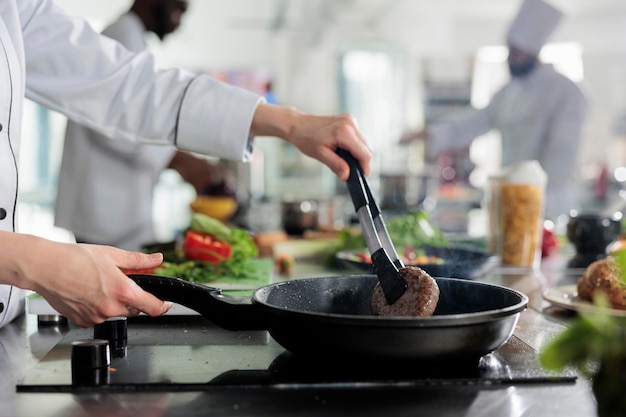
(106, 186)
(539, 113)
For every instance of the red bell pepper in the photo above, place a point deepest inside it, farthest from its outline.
(549, 243)
(204, 247)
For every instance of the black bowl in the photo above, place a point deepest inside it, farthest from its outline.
(459, 262)
(591, 234)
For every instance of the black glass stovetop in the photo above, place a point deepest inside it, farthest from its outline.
(191, 354)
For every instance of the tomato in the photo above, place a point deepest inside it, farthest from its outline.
(364, 257)
(204, 247)
(549, 243)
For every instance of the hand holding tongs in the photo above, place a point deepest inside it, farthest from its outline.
(375, 232)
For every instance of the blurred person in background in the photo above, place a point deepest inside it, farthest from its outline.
(105, 190)
(540, 113)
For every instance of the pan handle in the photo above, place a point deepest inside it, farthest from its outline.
(230, 313)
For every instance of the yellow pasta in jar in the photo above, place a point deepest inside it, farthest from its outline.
(520, 217)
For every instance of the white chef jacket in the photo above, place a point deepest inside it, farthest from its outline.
(105, 186)
(540, 117)
(60, 62)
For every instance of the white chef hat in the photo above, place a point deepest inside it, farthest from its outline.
(534, 23)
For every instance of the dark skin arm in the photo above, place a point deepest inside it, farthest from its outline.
(199, 172)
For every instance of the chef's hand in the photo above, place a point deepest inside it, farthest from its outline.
(316, 136)
(431, 153)
(82, 282)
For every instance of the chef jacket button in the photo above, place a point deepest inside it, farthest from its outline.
(1, 307)
(3, 213)
(0, 127)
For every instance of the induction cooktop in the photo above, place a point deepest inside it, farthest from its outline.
(191, 354)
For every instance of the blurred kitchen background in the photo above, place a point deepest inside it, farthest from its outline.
(395, 65)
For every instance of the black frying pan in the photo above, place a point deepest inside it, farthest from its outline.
(331, 317)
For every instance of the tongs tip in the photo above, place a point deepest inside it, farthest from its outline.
(389, 277)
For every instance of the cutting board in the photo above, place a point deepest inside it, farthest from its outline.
(36, 304)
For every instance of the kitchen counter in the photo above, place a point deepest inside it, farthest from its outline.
(23, 345)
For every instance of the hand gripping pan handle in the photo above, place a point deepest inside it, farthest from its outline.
(230, 313)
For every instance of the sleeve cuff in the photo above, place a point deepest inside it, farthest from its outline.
(215, 119)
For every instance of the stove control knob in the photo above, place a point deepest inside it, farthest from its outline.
(115, 331)
(90, 362)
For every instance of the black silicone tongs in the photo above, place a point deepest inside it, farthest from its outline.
(384, 256)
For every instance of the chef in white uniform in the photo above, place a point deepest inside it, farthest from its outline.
(539, 113)
(60, 62)
(106, 187)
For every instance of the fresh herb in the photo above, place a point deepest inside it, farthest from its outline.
(414, 229)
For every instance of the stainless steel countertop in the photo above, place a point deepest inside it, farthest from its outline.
(23, 344)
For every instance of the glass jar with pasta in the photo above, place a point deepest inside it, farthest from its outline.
(515, 210)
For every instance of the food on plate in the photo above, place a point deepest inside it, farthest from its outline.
(603, 275)
(410, 256)
(419, 300)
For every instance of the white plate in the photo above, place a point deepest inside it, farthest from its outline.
(567, 297)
